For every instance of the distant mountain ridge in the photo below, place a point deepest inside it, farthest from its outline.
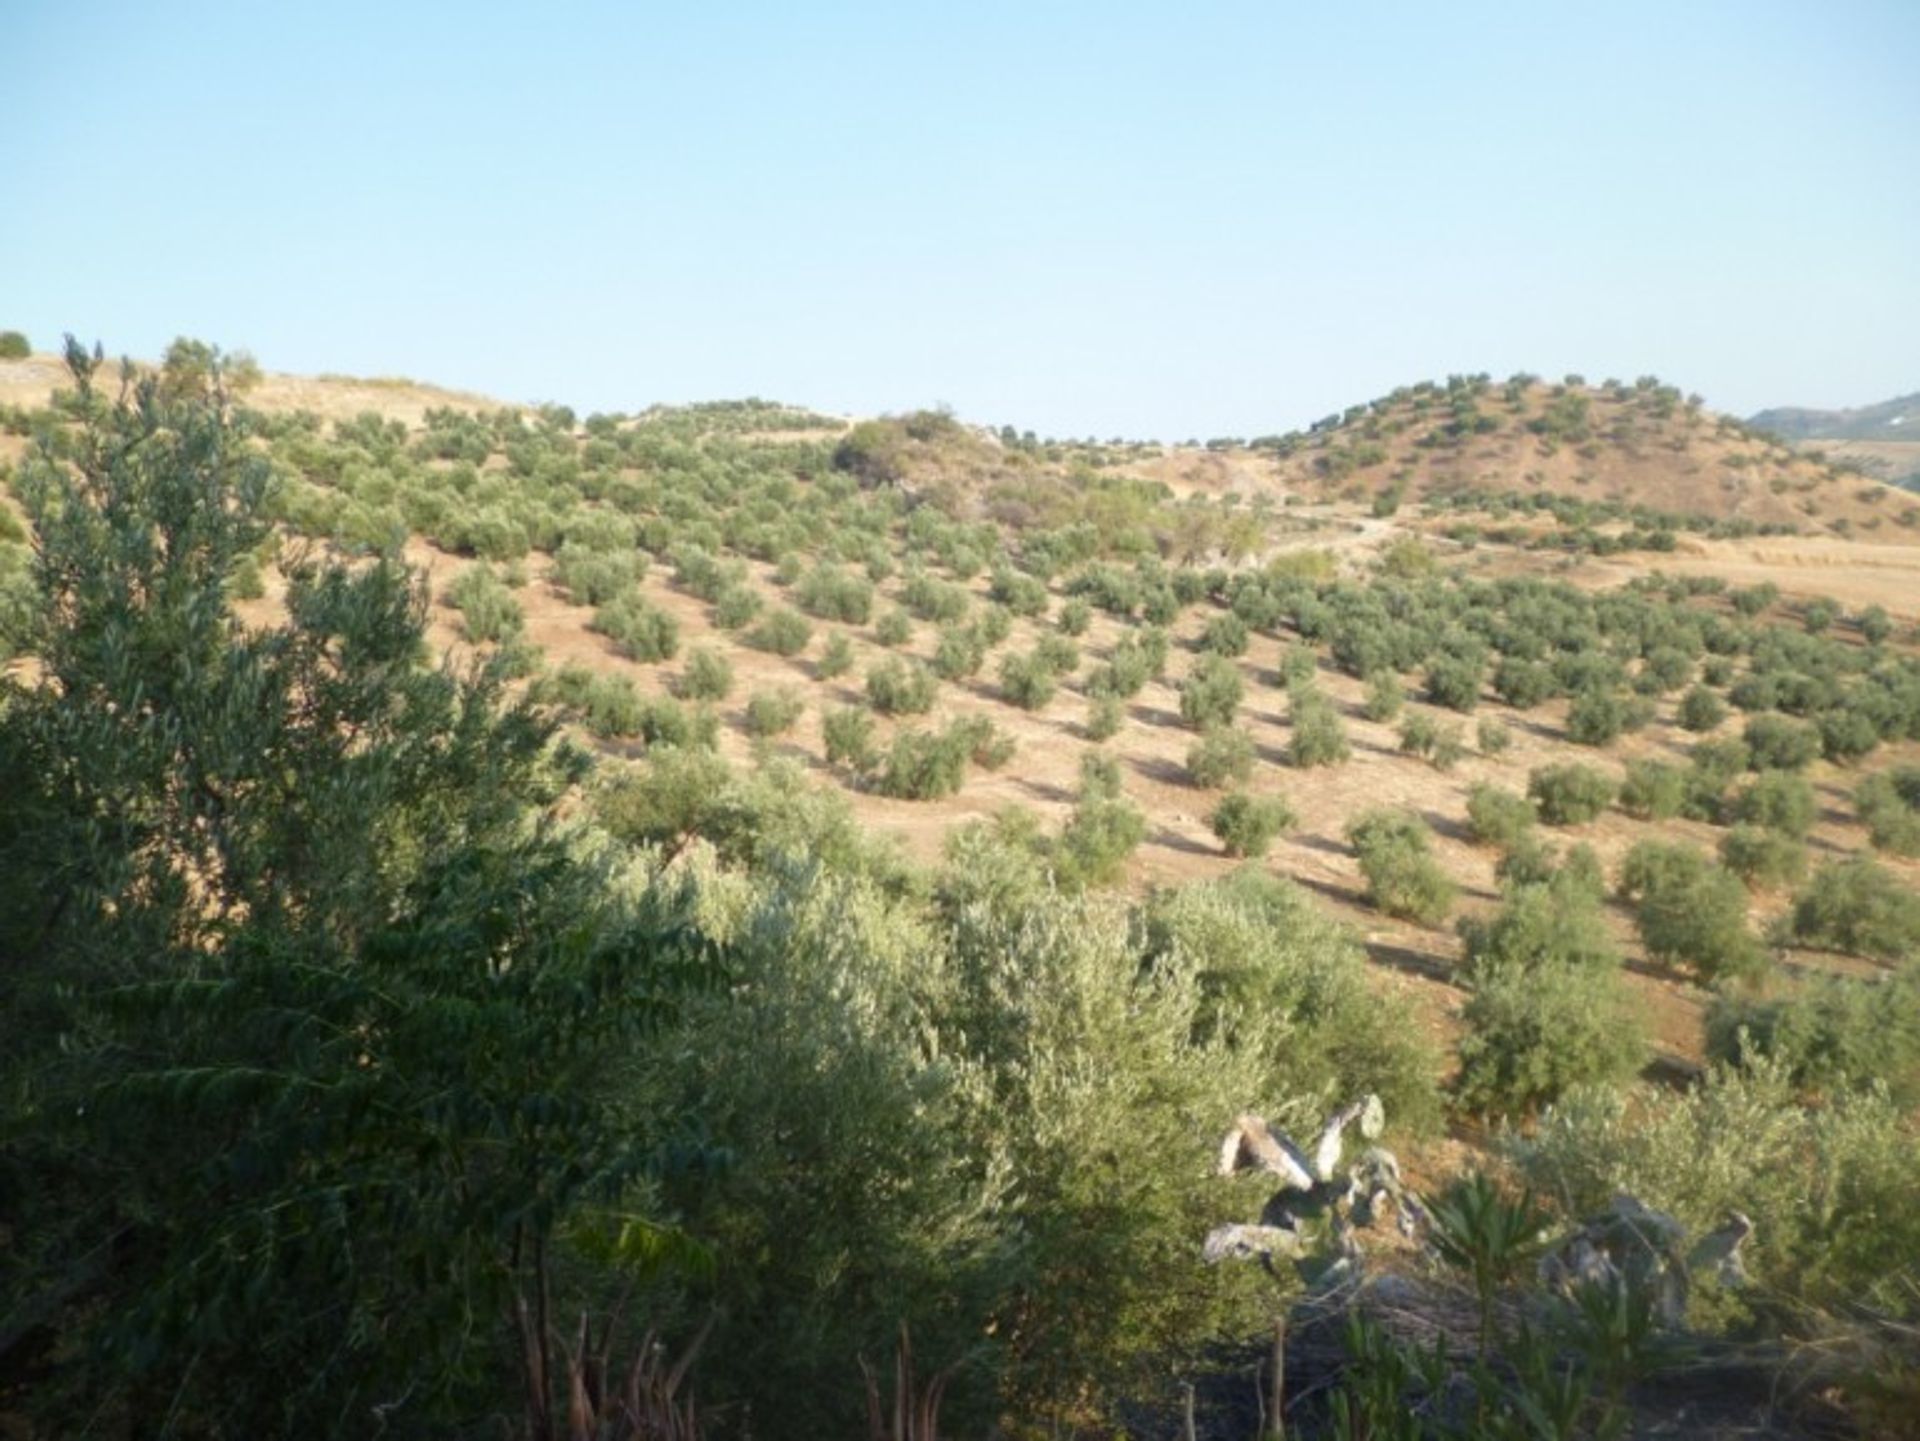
(1896, 419)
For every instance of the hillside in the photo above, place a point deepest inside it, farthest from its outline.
(957, 795)
(1895, 419)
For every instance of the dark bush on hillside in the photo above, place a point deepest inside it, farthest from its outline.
(488, 610)
(1764, 859)
(924, 765)
(1570, 794)
(848, 733)
(831, 593)
(934, 600)
(1454, 682)
(1075, 616)
(1524, 684)
(1833, 1033)
(1246, 825)
(641, 630)
(1319, 737)
(1653, 790)
(1555, 923)
(1105, 715)
(1212, 692)
(607, 704)
(1104, 829)
(1222, 755)
(593, 577)
(1535, 1033)
(708, 675)
(1690, 912)
(1497, 817)
(1225, 635)
(1860, 908)
(1599, 717)
(1777, 742)
(14, 345)
(1492, 737)
(901, 687)
(1021, 594)
(836, 657)
(1027, 681)
(1779, 800)
(1712, 767)
(1889, 805)
(895, 628)
(1403, 879)
(773, 712)
(1701, 709)
(1384, 697)
(782, 632)
(737, 605)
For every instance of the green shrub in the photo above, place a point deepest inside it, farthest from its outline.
(782, 632)
(1221, 755)
(923, 765)
(1319, 737)
(1492, 737)
(641, 630)
(488, 610)
(1497, 817)
(848, 734)
(1403, 879)
(1712, 766)
(736, 605)
(1225, 635)
(1105, 714)
(1419, 734)
(958, 653)
(1555, 923)
(894, 629)
(1058, 653)
(1569, 793)
(1889, 806)
(1246, 825)
(1097, 839)
(1777, 742)
(901, 687)
(773, 712)
(1027, 681)
(1534, 1033)
(831, 593)
(1075, 616)
(1454, 682)
(1384, 697)
(591, 576)
(934, 600)
(607, 704)
(1830, 1188)
(1690, 912)
(1598, 717)
(1212, 692)
(1524, 684)
(1653, 790)
(1860, 908)
(708, 675)
(1701, 709)
(1780, 801)
(1832, 1033)
(836, 657)
(1764, 859)
(14, 345)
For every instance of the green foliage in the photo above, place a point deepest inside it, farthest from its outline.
(1498, 817)
(14, 345)
(959, 652)
(594, 577)
(488, 611)
(1833, 1034)
(1027, 681)
(1889, 806)
(1713, 766)
(1211, 693)
(1225, 635)
(1384, 697)
(1690, 912)
(708, 675)
(1403, 879)
(848, 734)
(836, 657)
(1492, 737)
(773, 712)
(1454, 682)
(1569, 793)
(1598, 717)
(1764, 859)
(1319, 737)
(1653, 790)
(1826, 1188)
(782, 632)
(336, 1002)
(1701, 709)
(1247, 825)
(1778, 800)
(1105, 715)
(895, 628)
(1858, 907)
(830, 593)
(1075, 616)
(641, 630)
(1777, 742)
(901, 687)
(736, 605)
(1555, 923)
(1221, 755)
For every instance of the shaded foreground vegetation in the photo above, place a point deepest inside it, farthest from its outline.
(367, 1033)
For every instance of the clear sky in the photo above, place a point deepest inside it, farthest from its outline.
(1171, 220)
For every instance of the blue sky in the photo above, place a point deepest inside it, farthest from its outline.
(1150, 220)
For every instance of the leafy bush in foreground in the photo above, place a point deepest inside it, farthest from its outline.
(1860, 907)
(1498, 817)
(1246, 825)
(1569, 793)
(1832, 1033)
(1689, 911)
(1889, 805)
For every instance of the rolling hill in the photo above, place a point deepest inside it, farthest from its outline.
(1880, 440)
